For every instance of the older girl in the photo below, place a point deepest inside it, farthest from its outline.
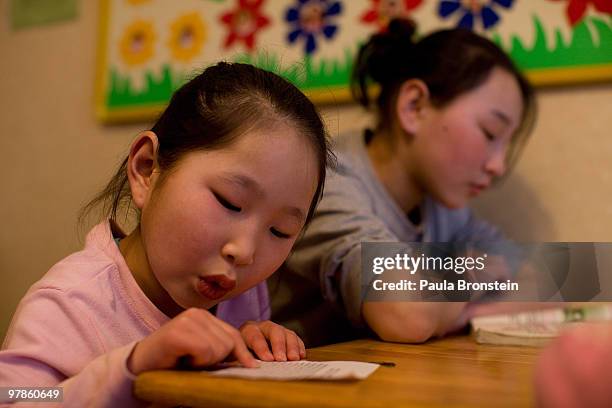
(452, 113)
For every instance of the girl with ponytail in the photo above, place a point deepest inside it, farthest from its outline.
(452, 114)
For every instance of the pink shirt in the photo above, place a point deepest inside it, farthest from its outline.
(76, 327)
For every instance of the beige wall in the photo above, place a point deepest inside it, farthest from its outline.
(55, 155)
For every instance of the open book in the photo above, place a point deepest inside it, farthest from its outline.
(534, 328)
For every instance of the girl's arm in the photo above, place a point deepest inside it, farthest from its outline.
(52, 343)
(416, 322)
(413, 322)
(105, 381)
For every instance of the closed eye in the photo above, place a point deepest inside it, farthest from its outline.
(279, 234)
(226, 203)
(490, 136)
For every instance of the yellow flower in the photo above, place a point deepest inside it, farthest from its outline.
(187, 36)
(136, 45)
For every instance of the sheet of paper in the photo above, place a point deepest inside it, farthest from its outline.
(301, 370)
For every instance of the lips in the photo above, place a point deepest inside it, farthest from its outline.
(480, 186)
(476, 188)
(215, 286)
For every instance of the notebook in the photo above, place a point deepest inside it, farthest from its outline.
(534, 328)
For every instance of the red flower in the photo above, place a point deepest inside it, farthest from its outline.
(383, 11)
(576, 8)
(243, 22)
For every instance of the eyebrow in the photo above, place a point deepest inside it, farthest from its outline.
(246, 182)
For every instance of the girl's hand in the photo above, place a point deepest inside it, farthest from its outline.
(195, 333)
(286, 345)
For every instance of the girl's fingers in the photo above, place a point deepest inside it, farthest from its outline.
(239, 350)
(242, 353)
(302, 347)
(212, 345)
(278, 341)
(215, 340)
(256, 341)
(285, 344)
(293, 345)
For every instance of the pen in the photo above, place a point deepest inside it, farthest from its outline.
(383, 363)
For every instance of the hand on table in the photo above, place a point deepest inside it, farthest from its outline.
(194, 333)
(285, 344)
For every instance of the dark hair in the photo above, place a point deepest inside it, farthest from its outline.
(450, 62)
(214, 109)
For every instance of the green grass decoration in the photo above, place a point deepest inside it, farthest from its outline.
(155, 91)
(581, 49)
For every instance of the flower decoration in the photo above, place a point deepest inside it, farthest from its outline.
(577, 8)
(474, 9)
(187, 35)
(312, 18)
(136, 44)
(383, 11)
(243, 22)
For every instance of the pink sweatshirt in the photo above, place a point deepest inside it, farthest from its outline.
(76, 327)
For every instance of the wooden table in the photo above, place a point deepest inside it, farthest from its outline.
(451, 372)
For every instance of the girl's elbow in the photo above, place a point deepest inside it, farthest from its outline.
(393, 325)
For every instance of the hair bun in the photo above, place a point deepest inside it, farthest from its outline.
(384, 57)
(388, 51)
(401, 29)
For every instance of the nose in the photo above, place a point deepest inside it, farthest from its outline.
(496, 163)
(240, 250)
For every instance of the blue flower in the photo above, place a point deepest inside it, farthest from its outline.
(311, 18)
(473, 9)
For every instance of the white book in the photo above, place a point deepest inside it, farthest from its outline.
(534, 328)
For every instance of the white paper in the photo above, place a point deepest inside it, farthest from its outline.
(301, 370)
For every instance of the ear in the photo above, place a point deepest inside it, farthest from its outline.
(141, 164)
(412, 97)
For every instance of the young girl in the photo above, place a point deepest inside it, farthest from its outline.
(223, 183)
(453, 111)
